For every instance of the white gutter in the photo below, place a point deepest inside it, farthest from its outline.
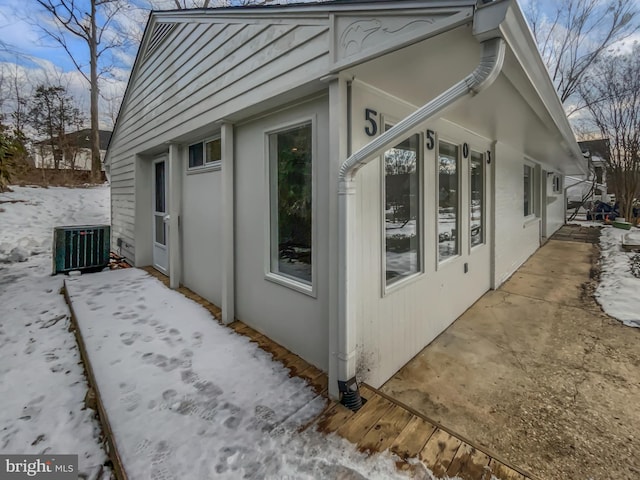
(486, 72)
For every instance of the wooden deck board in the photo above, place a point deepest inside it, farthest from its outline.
(364, 419)
(334, 418)
(386, 430)
(412, 438)
(469, 464)
(501, 471)
(439, 451)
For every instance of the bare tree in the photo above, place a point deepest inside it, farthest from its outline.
(573, 34)
(611, 92)
(71, 21)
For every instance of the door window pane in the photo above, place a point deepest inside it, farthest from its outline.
(448, 208)
(402, 206)
(477, 199)
(160, 232)
(160, 185)
(291, 182)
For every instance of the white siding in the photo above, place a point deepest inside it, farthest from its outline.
(291, 318)
(200, 74)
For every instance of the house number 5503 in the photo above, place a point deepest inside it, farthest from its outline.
(370, 116)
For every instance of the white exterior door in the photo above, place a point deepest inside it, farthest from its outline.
(160, 217)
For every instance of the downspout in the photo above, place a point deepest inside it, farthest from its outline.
(486, 72)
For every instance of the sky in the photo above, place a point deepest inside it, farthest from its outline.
(33, 57)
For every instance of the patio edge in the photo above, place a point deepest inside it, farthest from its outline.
(112, 449)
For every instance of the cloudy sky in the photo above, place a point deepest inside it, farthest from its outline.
(30, 55)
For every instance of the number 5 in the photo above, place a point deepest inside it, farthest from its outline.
(369, 116)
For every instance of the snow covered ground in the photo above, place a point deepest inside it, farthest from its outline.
(42, 384)
(185, 394)
(190, 398)
(619, 290)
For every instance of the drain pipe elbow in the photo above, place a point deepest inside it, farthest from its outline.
(485, 73)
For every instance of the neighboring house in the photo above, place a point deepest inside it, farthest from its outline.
(301, 167)
(74, 152)
(582, 187)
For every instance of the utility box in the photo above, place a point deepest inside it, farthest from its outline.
(82, 247)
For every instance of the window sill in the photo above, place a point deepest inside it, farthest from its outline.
(211, 167)
(530, 220)
(291, 283)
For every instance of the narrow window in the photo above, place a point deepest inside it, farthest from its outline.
(290, 161)
(477, 199)
(195, 155)
(528, 190)
(402, 205)
(448, 207)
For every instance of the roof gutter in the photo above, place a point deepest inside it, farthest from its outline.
(493, 51)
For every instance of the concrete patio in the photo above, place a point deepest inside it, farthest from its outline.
(536, 373)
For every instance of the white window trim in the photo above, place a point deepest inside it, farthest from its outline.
(206, 166)
(408, 279)
(483, 155)
(277, 277)
(533, 198)
(441, 263)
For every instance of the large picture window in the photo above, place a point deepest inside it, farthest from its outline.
(476, 208)
(528, 190)
(402, 209)
(448, 205)
(290, 162)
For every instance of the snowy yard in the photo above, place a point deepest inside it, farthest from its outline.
(189, 398)
(186, 394)
(42, 384)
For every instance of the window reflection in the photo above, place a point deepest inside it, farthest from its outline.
(402, 200)
(477, 199)
(448, 208)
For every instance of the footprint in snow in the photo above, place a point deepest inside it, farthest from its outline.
(128, 338)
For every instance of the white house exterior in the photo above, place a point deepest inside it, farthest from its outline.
(75, 153)
(253, 161)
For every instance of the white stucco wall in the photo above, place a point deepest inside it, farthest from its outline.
(201, 229)
(516, 238)
(294, 319)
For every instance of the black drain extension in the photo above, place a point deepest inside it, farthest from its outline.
(350, 394)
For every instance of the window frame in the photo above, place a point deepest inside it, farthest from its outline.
(459, 162)
(532, 193)
(483, 162)
(386, 121)
(277, 277)
(206, 166)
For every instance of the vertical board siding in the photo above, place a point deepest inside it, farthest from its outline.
(395, 325)
(200, 73)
